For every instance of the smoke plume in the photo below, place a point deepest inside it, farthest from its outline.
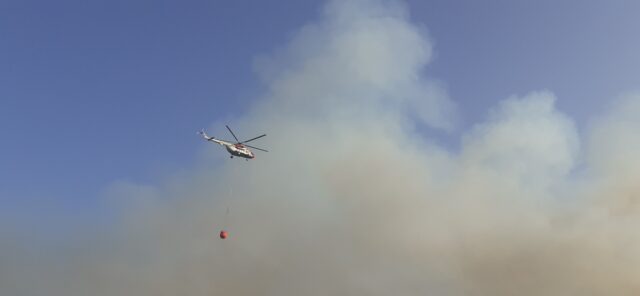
(353, 199)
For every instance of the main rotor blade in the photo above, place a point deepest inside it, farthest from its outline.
(256, 148)
(258, 137)
(234, 135)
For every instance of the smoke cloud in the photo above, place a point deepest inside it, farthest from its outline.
(354, 200)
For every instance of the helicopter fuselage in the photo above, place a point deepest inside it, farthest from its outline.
(238, 150)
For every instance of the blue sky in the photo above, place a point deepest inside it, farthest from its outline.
(100, 91)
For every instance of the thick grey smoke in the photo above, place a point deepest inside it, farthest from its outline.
(353, 200)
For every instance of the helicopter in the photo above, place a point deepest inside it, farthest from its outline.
(239, 148)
